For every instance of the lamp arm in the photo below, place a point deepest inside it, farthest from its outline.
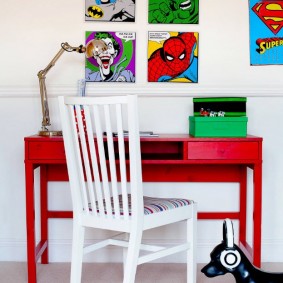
(42, 76)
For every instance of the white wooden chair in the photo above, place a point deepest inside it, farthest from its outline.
(106, 184)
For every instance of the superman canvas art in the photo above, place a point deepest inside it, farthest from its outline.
(266, 32)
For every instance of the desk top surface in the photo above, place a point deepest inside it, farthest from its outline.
(161, 137)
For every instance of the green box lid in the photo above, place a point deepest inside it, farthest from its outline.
(219, 99)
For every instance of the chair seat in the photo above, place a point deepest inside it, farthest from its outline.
(151, 204)
(154, 205)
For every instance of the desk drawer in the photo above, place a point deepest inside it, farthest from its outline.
(46, 150)
(223, 150)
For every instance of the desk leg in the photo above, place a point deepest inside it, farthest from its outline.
(43, 212)
(257, 214)
(243, 206)
(30, 222)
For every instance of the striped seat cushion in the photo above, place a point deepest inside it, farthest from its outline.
(151, 204)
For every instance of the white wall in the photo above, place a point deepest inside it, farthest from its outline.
(31, 33)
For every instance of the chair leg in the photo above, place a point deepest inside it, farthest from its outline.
(130, 267)
(191, 253)
(77, 253)
(125, 251)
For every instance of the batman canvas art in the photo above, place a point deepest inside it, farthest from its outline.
(110, 10)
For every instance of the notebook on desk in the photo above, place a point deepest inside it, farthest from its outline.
(142, 134)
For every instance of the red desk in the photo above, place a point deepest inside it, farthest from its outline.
(167, 158)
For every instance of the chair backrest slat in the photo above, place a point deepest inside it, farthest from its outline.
(77, 124)
(86, 149)
(98, 161)
(94, 174)
(96, 170)
(112, 165)
(135, 157)
(122, 161)
(102, 161)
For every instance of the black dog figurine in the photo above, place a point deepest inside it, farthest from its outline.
(229, 258)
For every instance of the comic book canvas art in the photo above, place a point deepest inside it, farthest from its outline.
(173, 11)
(173, 57)
(266, 32)
(110, 10)
(110, 56)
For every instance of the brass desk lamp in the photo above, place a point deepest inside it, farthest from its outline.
(43, 93)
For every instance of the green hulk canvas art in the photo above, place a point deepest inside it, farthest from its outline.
(173, 11)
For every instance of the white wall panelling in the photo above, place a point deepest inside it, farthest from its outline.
(30, 39)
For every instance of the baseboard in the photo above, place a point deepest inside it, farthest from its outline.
(60, 251)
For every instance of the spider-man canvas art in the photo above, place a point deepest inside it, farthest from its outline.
(173, 57)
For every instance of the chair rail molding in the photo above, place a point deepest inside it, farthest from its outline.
(144, 90)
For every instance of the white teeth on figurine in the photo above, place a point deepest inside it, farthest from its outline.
(185, 5)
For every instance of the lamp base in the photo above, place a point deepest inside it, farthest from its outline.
(47, 133)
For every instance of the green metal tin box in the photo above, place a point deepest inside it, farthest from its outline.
(218, 126)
